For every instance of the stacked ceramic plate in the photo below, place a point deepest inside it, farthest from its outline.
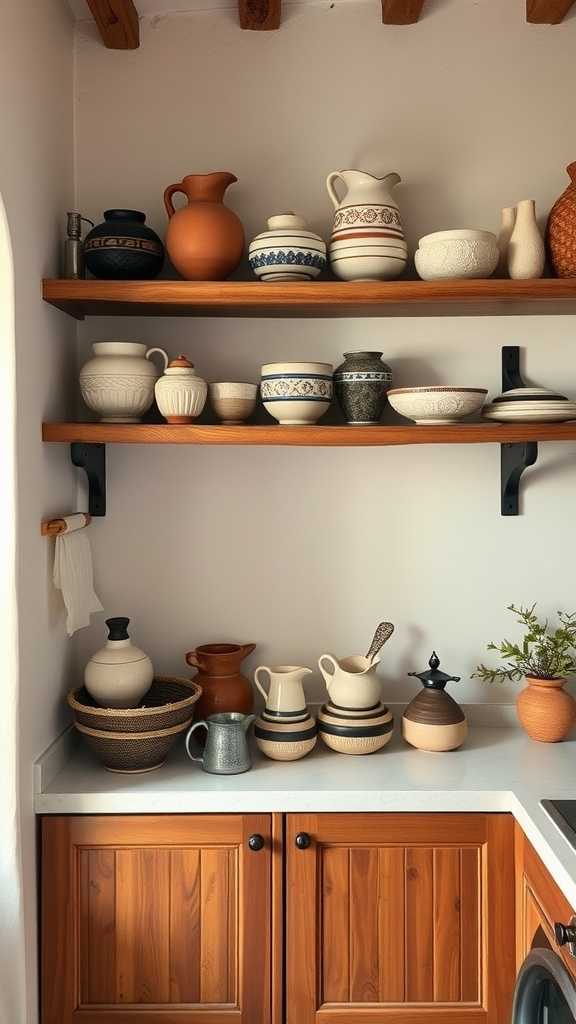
(530, 405)
(355, 730)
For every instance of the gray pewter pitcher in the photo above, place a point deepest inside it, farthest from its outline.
(226, 751)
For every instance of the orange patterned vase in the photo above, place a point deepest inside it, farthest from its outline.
(545, 711)
(561, 230)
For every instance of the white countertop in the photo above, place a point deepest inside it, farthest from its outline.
(499, 769)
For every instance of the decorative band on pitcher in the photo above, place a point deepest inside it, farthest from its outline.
(386, 216)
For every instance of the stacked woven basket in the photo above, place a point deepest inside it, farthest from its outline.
(137, 739)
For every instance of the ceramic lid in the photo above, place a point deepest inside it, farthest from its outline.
(180, 367)
(285, 220)
(434, 679)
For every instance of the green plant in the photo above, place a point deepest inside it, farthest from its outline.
(542, 653)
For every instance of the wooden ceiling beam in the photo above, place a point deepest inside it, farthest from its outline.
(117, 22)
(547, 12)
(262, 15)
(401, 12)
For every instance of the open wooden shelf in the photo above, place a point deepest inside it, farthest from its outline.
(307, 436)
(312, 299)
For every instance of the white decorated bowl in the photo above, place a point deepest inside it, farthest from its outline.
(296, 393)
(457, 254)
(234, 401)
(437, 404)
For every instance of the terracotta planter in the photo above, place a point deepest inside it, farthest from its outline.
(224, 688)
(204, 239)
(545, 711)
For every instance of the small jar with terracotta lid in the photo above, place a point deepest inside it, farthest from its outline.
(180, 392)
(433, 720)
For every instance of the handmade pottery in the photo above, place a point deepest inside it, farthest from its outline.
(367, 241)
(437, 403)
(224, 688)
(530, 405)
(351, 682)
(526, 252)
(433, 720)
(561, 229)
(456, 254)
(285, 739)
(226, 750)
(354, 731)
(118, 382)
(123, 248)
(296, 393)
(545, 711)
(507, 221)
(119, 674)
(288, 251)
(285, 698)
(204, 239)
(168, 702)
(361, 383)
(131, 753)
(233, 402)
(180, 392)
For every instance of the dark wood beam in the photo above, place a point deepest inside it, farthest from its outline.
(117, 22)
(261, 15)
(401, 12)
(547, 12)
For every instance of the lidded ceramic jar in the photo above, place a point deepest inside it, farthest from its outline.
(361, 383)
(287, 251)
(119, 674)
(433, 720)
(180, 392)
(118, 382)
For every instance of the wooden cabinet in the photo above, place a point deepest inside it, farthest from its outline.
(161, 919)
(399, 918)
(539, 905)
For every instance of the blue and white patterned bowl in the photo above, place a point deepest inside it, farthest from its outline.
(296, 393)
(287, 251)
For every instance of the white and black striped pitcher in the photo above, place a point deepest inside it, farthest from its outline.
(367, 241)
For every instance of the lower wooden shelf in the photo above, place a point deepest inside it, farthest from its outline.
(307, 436)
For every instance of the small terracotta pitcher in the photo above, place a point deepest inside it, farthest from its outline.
(204, 239)
(224, 688)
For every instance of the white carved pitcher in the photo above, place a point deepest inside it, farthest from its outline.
(367, 241)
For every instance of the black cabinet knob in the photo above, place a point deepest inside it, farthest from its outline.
(565, 934)
(303, 840)
(256, 842)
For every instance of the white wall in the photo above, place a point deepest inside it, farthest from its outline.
(36, 184)
(306, 550)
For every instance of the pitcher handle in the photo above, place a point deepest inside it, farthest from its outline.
(151, 352)
(334, 176)
(192, 660)
(331, 661)
(261, 668)
(169, 192)
(196, 725)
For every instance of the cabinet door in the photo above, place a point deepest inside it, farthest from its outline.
(163, 919)
(539, 905)
(400, 918)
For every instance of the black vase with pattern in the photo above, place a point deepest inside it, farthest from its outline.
(123, 248)
(361, 384)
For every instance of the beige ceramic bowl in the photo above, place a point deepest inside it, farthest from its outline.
(353, 734)
(233, 401)
(285, 741)
(437, 403)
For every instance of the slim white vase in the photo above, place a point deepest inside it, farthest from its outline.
(526, 247)
(507, 222)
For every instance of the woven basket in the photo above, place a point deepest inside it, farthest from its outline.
(168, 702)
(132, 752)
(561, 230)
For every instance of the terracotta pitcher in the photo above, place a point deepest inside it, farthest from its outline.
(204, 239)
(224, 688)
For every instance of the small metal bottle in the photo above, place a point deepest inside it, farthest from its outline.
(73, 265)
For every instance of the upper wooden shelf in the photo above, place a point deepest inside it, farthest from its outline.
(312, 299)
(307, 436)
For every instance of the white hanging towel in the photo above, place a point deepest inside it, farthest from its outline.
(73, 574)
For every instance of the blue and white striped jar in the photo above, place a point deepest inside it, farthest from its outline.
(287, 251)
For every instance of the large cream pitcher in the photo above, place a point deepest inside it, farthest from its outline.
(367, 241)
(285, 697)
(351, 682)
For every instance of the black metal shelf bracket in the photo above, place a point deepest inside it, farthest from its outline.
(514, 458)
(92, 459)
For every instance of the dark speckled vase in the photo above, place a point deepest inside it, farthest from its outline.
(361, 383)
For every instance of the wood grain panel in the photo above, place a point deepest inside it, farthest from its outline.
(278, 918)
(447, 925)
(419, 925)
(498, 915)
(391, 924)
(255, 917)
(117, 22)
(364, 958)
(470, 952)
(185, 925)
(547, 12)
(335, 901)
(142, 924)
(97, 926)
(401, 12)
(262, 15)
(215, 902)
(302, 925)
(158, 830)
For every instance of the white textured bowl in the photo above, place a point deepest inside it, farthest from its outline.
(457, 254)
(233, 402)
(437, 404)
(296, 393)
